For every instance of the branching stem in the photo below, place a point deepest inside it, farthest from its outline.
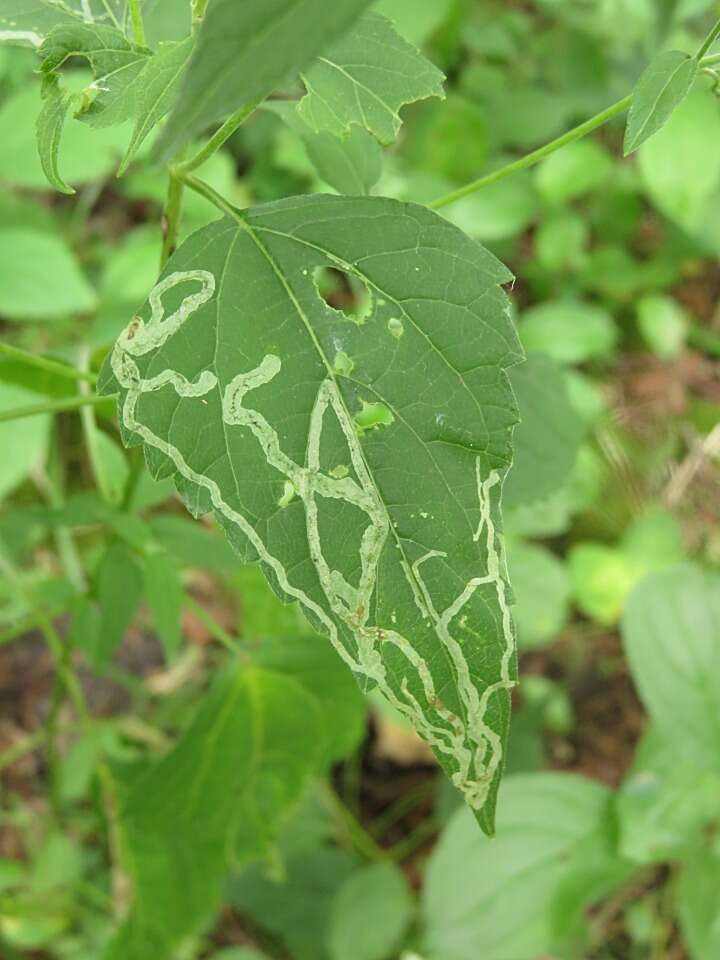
(221, 135)
(205, 190)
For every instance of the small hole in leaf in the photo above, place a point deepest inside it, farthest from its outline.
(344, 292)
(372, 416)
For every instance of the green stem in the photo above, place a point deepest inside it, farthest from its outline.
(171, 217)
(44, 363)
(137, 22)
(198, 12)
(530, 159)
(709, 61)
(90, 432)
(137, 468)
(221, 135)
(708, 41)
(205, 190)
(356, 835)
(52, 406)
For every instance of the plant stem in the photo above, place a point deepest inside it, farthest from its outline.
(708, 41)
(530, 159)
(221, 135)
(52, 406)
(709, 61)
(137, 22)
(198, 13)
(90, 432)
(44, 363)
(205, 190)
(356, 834)
(171, 216)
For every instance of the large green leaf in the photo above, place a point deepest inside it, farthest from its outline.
(663, 86)
(671, 632)
(359, 458)
(27, 22)
(244, 51)
(364, 79)
(243, 760)
(500, 900)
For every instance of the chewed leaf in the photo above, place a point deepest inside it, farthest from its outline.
(364, 79)
(362, 469)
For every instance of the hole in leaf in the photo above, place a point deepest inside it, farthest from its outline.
(371, 416)
(344, 292)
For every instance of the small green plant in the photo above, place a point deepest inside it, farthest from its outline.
(339, 381)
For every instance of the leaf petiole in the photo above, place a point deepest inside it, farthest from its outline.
(136, 19)
(708, 41)
(44, 363)
(221, 135)
(205, 190)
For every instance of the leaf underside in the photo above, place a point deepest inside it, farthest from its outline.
(359, 459)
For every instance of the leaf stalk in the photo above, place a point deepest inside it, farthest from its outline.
(50, 366)
(52, 406)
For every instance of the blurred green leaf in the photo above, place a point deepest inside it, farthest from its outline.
(560, 240)
(547, 421)
(415, 19)
(243, 760)
(698, 904)
(663, 324)
(477, 890)
(119, 590)
(542, 592)
(680, 165)
(40, 277)
(569, 331)
(573, 171)
(164, 592)
(24, 442)
(364, 79)
(295, 907)
(49, 128)
(370, 913)
(671, 633)
(664, 85)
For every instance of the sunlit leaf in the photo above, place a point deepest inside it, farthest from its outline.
(292, 420)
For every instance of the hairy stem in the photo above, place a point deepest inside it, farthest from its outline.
(221, 135)
(51, 406)
(708, 41)
(171, 216)
(44, 363)
(136, 19)
(530, 159)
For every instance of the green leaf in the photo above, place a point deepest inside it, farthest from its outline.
(243, 52)
(370, 914)
(573, 171)
(352, 165)
(569, 331)
(49, 127)
(680, 165)
(665, 801)
(413, 594)
(164, 591)
(671, 632)
(296, 908)
(24, 442)
(476, 891)
(39, 277)
(119, 589)
(547, 422)
(316, 666)
(156, 89)
(364, 79)
(542, 591)
(664, 85)
(663, 324)
(415, 19)
(697, 901)
(244, 759)
(115, 61)
(27, 22)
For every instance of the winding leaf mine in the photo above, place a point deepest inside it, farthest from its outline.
(360, 461)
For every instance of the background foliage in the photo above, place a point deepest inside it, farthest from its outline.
(187, 770)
